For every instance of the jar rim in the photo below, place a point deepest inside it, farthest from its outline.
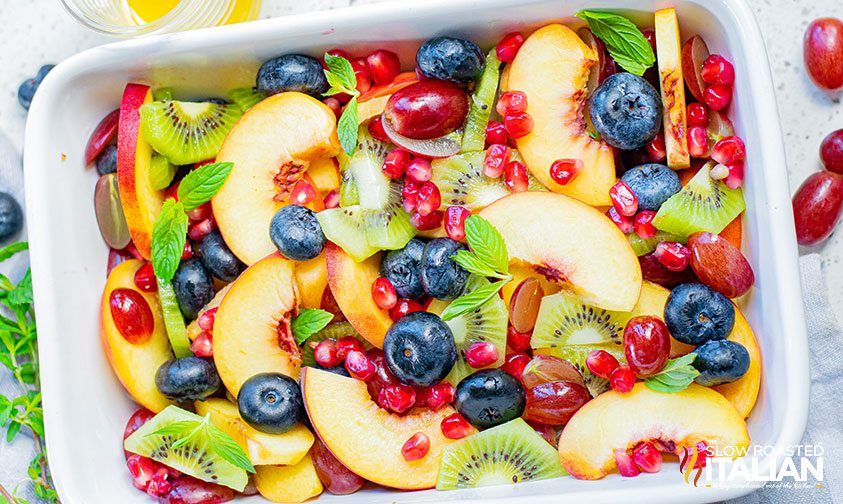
(165, 23)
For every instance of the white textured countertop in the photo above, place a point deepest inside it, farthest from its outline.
(40, 31)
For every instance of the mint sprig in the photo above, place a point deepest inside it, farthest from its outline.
(488, 257)
(676, 375)
(624, 41)
(308, 322)
(201, 184)
(341, 78)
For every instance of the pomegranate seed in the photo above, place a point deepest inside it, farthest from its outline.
(325, 354)
(383, 65)
(496, 158)
(159, 485)
(495, 133)
(481, 354)
(359, 366)
(644, 224)
(673, 255)
(136, 421)
(396, 163)
(426, 222)
(142, 470)
(650, 35)
(348, 344)
(518, 125)
(697, 141)
(201, 212)
(511, 103)
(201, 229)
(717, 96)
(622, 379)
(729, 150)
(601, 363)
(647, 457)
(361, 72)
(736, 175)
(342, 53)
(656, 149)
(454, 426)
(399, 398)
(518, 341)
(429, 199)
(187, 252)
(203, 345)
(562, 171)
(515, 177)
(419, 170)
(173, 191)
(508, 47)
(207, 318)
(403, 307)
(438, 396)
(145, 278)
(696, 114)
(375, 128)
(455, 217)
(334, 104)
(717, 70)
(410, 195)
(624, 223)
(416, 447)
(383, 292)
(515, 363)
(332, 199)
(626, 466)
(623, 199)
(302, 193)
(719, 172)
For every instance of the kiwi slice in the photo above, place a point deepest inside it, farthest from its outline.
(564, 319)
(345, 226)
(246, 98)
(349, 196)
(334, 331)
(193, 458)
(365, 166)
(508, 453)
(173, 320)
(389, 228)
(164, 93)
(643, 246)
(482, 103)
(576, 355)
(187, 132)
(487, 322)
(161, 172)
(704, 204)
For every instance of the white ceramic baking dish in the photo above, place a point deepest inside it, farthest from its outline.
(85, 406)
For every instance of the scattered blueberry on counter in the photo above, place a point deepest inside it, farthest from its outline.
(11, 216)
(27, 89)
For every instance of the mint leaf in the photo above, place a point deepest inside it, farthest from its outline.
(340, 75)
(487, 244)
(223, 445)
(22, 294)
(474, 299)
(624, 41)
(676, 375)
(201, 184)
(169, 234)
(470, 262)
(308, 322)
(10, 250)
(177, 429)
(347, 127)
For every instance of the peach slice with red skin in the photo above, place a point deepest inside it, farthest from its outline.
(676, 421)
(368, 439)
(672, 87)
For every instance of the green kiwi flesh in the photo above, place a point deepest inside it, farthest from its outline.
(161, 172)
(564, 319)
(333, 331)
(508, 453)
(345, 226)
(187, 132)
(704, 204)
(643, 246)
(246, 98)
(193, 458)
(482, 104)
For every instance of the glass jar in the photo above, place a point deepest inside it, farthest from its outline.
(132, 18)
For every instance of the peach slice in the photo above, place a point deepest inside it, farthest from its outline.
(677, 421)
(351, 284)
(547, 231)
(368, 439)
(325, 174)
(141, 201)
(271, 146)
(552, 69)
(290, 483)
(311, 280)
(135, 364)
(288, 448)
(672, 86)
(252, 327)
(743, 392)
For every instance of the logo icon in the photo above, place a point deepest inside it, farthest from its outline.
(688, 463)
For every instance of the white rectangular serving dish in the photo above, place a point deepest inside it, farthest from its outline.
(85, 406)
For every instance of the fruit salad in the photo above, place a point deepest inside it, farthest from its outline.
(444, 273)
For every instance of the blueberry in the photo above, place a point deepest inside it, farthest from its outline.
(292, 72)
(218, 258)
(296, 232)
(27, 89)
(43, 71)
(188, 379)
(490, 397)
(626, 110)
(107, 160)
(217, 101)
(652, 184)
(403, 269)
(194, 287)
(337, 370)
(441, 277)
(419, 349)
(720, 361)
(695, 313)
(271, 402)
(11, 216)
(450, 59)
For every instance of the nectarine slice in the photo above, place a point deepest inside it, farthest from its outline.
(290, 483)
(669, 50)
(677, 421)
(311, 281)
(368, 439)
(743, 392)
(252, 327)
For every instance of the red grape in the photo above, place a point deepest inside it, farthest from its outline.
(103, 134)
(554, 403)
(524, 305)
(427, 109)
(817, 205)
(831, 152)
(823, 53)
(720, 265)
(547, 368)
(132, 315)
(653, 270)
(187, 490)
(646, 344)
